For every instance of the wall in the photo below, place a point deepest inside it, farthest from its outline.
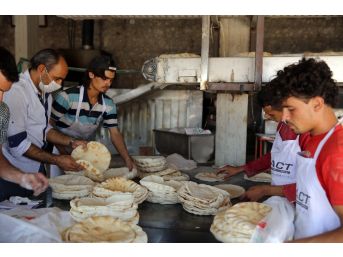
(296, 35)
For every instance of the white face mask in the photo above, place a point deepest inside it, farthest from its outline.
(51, 87)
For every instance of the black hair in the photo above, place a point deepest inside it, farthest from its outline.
(8, 66)
(49, 57)
(267, 96)
(98, 66)
(306, 79)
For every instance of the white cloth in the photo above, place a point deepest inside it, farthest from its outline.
(29, 119)
(283, 157)
(314, 213)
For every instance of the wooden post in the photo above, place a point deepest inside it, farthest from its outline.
(231, 119)
(25, 36)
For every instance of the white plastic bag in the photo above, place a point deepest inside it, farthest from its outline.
(34, 226)
(278, 225)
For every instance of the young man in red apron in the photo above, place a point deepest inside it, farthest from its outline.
(309, 94)
(281, 159)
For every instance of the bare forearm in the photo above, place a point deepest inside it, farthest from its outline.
(119, 144)
(40, 155)
(57, 137)
(274, 190)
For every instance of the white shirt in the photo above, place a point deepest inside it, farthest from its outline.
(28, 122)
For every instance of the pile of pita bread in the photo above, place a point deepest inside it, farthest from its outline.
(150, 163)
(261, 177)
(120, 186)
(95, 159)
(67, 187)
(117, 206)
(237, 223)
(160, 190)
(202, 199)
(104, 229)
(120, 172)
(167, 174)
(209, 176)
(234, 190)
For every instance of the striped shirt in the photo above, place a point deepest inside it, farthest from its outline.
(65, 104)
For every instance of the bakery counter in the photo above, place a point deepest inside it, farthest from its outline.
(171, 223)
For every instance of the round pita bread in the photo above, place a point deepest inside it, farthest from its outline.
(209, 176)
(90, 171)
(96, 153)
(104, 229)
(261, 177)
(120, 172)
(234, 190)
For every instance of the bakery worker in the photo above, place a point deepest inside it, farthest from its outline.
(78, 111)
(9, 174)
(281, 160)
(29, 102)
(309, 96)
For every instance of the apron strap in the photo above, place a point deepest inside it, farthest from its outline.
(103, 109)
(321, 144)
(82, 90)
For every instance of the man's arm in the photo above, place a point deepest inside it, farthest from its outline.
(255, 193)
(334, 236)
(32, 181)
(65, 162)
(119, 144)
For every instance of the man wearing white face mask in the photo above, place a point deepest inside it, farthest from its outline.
(29, 102)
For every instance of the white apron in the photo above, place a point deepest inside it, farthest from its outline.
(283, 159)
(314, 214)
(83, 131)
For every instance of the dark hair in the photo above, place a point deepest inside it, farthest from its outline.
(7, 65)
(267, 96)
(306, 79)
(98, 66)
(49, 57)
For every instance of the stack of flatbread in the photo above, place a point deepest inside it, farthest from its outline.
(104, 229)
(202, 199)
(150, 163)
(261, 177)
(120, 185)
(209, 176)
(237, 223)
(167, 174)
(120, 172)
(161, 191)
(117, 206)
(95, 159)
(67, 187)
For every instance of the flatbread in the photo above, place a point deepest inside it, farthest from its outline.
(237, 223)
(96, 153)
(120, 172)
(261, 177)
(90, 171)
(104, 229)
(209, 176)
(234, 190)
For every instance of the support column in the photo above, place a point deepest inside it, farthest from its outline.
(25, 36)
(231, 118)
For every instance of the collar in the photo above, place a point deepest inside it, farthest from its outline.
(26, 76)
